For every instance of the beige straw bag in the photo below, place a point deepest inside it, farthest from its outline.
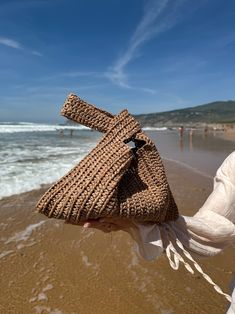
(113, 180)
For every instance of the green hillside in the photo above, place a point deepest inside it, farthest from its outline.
(215, 112)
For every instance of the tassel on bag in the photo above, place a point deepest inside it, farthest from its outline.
(113, 180)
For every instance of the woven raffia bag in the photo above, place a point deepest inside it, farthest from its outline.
(113, 180)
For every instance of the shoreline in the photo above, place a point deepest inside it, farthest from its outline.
(168, 163)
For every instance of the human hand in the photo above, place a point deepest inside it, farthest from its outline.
(109, 224)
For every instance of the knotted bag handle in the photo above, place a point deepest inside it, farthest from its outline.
(80, 111)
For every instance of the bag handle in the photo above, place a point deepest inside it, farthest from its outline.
(80, 111)
(84, 113)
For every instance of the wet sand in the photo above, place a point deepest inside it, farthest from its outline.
(50, 267)
(229, 135)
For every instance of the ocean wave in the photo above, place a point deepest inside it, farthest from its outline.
(8, 127)
(28, 161)
(151, 128)
(25, 176)
(39, 154)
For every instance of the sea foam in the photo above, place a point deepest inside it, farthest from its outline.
(25, 234)
(9, 127)
(39, 156)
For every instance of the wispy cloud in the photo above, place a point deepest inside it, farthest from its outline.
(17, 45)
(92, 75)
(158, 17)
(10, 43)
(36, 53)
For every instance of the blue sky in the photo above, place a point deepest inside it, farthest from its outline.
(147, 56)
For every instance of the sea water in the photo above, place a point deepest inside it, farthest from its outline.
(33, 154)
(202, 153)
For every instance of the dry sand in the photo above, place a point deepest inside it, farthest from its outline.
(50, 267)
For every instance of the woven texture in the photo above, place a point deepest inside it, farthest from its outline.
(113, 179)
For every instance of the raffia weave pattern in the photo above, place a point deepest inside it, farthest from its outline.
(113, 179)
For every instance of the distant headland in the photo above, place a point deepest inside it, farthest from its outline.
(215, 113)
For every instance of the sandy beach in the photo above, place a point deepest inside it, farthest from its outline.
(50, 267)
(229, 135)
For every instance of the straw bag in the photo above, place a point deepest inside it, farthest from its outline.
(113, 180)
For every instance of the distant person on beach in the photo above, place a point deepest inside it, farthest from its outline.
(191, 132)
(206, 131)
(181, 131)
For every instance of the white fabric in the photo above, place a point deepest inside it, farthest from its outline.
(207, 233)
(231, 310)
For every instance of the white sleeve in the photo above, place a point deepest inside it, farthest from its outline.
(212, 228)
(222, 199)
(208, 232)
(231, 309)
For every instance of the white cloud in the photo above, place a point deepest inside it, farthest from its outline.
(10, 43)
(158, 17)
(17, 45)
(36, 53)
